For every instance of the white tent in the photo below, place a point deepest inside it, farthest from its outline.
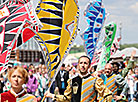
(69, 60)
(126, 52)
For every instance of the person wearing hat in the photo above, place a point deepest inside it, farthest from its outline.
(61, 80)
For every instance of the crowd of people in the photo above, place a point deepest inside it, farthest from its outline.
(80, 83)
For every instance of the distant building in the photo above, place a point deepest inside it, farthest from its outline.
(27, 53)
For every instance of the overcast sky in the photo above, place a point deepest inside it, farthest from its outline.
(124, 11)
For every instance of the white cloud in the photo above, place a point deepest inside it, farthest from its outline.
(134, 7)
(115, 18)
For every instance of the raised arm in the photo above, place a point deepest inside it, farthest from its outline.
(125, 71)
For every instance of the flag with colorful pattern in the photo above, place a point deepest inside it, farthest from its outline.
(4, 57)
(110, 30)
(59, 19)
(95, 14)
(18, 24)
(115, 45)
(97, 53)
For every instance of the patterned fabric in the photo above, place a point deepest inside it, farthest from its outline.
(26, 98)
(98, 50)
(11, 97)
(110, 35)
(111, 85)
(115, 46)
(115, 82)
(110, 30)
(4, 58)
(97, 53)
(88, 93)
(94, 85)
(95, 13)
(59, 19)
(18, 23)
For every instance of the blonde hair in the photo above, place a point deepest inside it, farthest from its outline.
(21, 70)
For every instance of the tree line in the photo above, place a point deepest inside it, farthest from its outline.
(76, 49)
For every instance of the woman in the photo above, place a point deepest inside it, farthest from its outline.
(43, 84)
(17, 77)
(32, 83)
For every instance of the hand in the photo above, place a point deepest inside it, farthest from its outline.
(56, 89)
(56, 92)
(133, 53)
(1, 79)
(134, 99)
(35, 100)
(117, 97)
(48, 94)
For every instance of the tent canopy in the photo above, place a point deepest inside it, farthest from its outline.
(127, 52)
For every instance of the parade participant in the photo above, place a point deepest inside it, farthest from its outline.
(136, 88)
(32, 84)
(17, 77)
(125, 71)
(61, 80)
(113, 82)
(43, 82)
(135, 84)
(84, 87)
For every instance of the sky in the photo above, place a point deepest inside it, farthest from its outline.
(119, 11)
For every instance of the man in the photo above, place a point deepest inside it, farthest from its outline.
(113, 82)
(84, 87)
(115, 67)
(125, 71)
(61, 80)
